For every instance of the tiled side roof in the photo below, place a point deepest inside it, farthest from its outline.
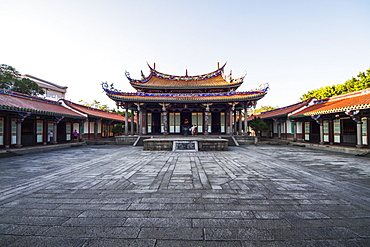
(352, 101)
(187, 98)
(12, 101)
(95, 112)
(281, 112)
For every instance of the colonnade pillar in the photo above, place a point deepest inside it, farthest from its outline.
(19, 134)
(164, 120)
(139, 116)
(321, 132)
(230, 127)
(20, 120)
(126, 119)
(234, 125)
(80, 124)
(231, 111)
(132, 121)
(206, 115)
(359, 133)
(295, 131)
(245, 120)
(55, 133)
(138, 121)
(240, 123)
(96, 129)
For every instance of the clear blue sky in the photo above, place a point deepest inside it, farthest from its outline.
(295, 46)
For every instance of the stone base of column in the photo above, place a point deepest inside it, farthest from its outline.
(359, 146)
(206, 133)
(321, 143)
(18, 146)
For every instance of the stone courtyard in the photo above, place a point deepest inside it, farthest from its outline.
(115, 195)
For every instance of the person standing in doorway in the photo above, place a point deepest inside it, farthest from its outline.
(51, 136)
(75, 135)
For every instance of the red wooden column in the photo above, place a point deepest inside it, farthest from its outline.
(126, 118)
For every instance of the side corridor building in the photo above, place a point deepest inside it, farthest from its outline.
(340, 120)
(29, 121)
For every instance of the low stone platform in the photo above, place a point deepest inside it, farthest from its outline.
(125, 140)
(186, 144)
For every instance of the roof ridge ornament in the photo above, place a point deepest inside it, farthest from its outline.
(127, 74)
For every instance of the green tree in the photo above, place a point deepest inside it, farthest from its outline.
(10, 79)
(261, 109)
(352, 85)
(118, 129)
(258, 125)
(95, 104)
(121, 112)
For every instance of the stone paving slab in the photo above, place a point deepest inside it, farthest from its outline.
(122, 196)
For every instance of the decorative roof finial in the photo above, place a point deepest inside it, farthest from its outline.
(218, 65)
(186, 73)
(154, 66)
(142, 75)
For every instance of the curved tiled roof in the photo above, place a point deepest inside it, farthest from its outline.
(187, 97)
(281, 112)
(353, 101)
(95, 112)
(13, 101)
(158, 80)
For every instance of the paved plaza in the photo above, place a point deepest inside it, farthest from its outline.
(112, 195)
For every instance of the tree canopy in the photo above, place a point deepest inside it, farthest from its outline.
(10, 79)
(362, 81)
(261, 109)
(95, 104)
(258, 125)
(118, 129)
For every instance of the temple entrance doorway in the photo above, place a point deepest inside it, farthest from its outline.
(156, 122)
(349, 131)
(185, 123)
(218, 123)
(315, 132)
(28, 132)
